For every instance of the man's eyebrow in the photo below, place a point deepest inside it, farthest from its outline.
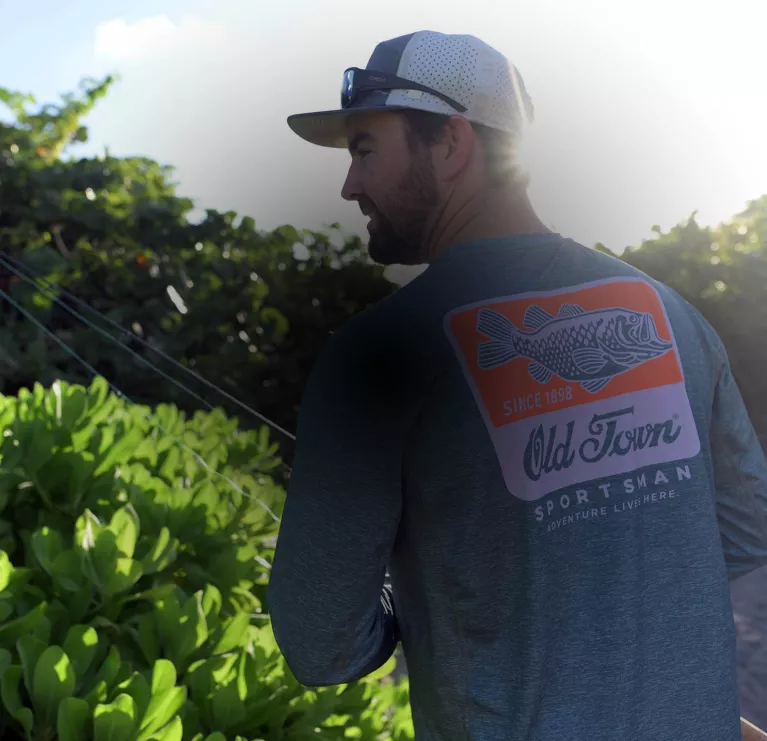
(359, 139)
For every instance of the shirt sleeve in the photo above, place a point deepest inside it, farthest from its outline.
(332, 614)
(740, 475)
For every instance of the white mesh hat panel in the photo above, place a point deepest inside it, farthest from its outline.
(469, 71)
(460, 66)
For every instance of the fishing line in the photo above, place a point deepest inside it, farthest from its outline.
(149, 416)
(52, 286)
(90, 325)
(102, 332)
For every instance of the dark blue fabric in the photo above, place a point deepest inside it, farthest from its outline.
(386, 58)
(594, 628)
(387, 55)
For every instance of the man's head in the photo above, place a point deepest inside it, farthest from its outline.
(433, 122)
(409, 167)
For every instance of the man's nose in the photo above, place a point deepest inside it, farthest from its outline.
(352, 189)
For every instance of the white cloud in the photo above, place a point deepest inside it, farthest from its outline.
(629, 110)
(118, 40)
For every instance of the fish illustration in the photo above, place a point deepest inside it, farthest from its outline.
(585, 347)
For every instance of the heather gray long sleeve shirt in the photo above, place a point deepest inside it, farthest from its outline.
(549, 452)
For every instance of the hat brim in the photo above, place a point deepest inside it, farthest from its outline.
(330, 128)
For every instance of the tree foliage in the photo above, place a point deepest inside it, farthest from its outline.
(248, 310)
(134, 550)
(723, 272)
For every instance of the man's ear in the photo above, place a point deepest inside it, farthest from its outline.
(455, 149)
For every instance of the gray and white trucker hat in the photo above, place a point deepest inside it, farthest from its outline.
(452, 74)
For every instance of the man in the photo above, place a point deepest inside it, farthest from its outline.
(545, 447)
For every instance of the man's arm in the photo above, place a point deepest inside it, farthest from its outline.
(740, 475)
(332, 617)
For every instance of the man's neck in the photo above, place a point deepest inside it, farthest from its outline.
(484, 215)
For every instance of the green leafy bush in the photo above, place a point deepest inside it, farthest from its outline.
(134, 552)
(227, 300)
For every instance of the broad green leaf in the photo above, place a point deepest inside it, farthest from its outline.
(103, 556)
(67, 571)
(47, 544)
(191, 631)
(173, 731)
(54, 680)
(207, 497)
(81, 644)
(98, 693)
(101, 442)
(98, 393)
(125, 574)
(168, 469)
(234, 635)
(147, 449)
(168, 613)
(26, 720)
(164, 677)
(30, 650)
(33, 623)
(57, 615)
(167, 417)
(162, 708)
(166, 699)
(161, 542)
(125, 526)
(138, 688)
(87, 529)
(120, 450)
(72, 720)
(73, 404)
(6, 569)
(163, 553)
(39, 445)
(227, 708)
(147, 638)
(9, 690)
(111, 666)
(78, 603)
(246, 680)
(115, 721)
(58, 481)
(83, 437)
(199, 679)
(223, 668)
(211, 601)
(104, 677)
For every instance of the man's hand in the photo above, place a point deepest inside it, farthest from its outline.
(751, 732)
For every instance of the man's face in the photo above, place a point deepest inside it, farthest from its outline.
(393, 185)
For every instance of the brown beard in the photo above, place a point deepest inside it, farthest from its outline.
(400, 238)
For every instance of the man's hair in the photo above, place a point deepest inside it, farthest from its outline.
(424, 128)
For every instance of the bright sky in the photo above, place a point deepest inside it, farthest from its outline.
(645, 110)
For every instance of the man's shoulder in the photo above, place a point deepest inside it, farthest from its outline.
(392, 321)
(372, 341)
(700, 337)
